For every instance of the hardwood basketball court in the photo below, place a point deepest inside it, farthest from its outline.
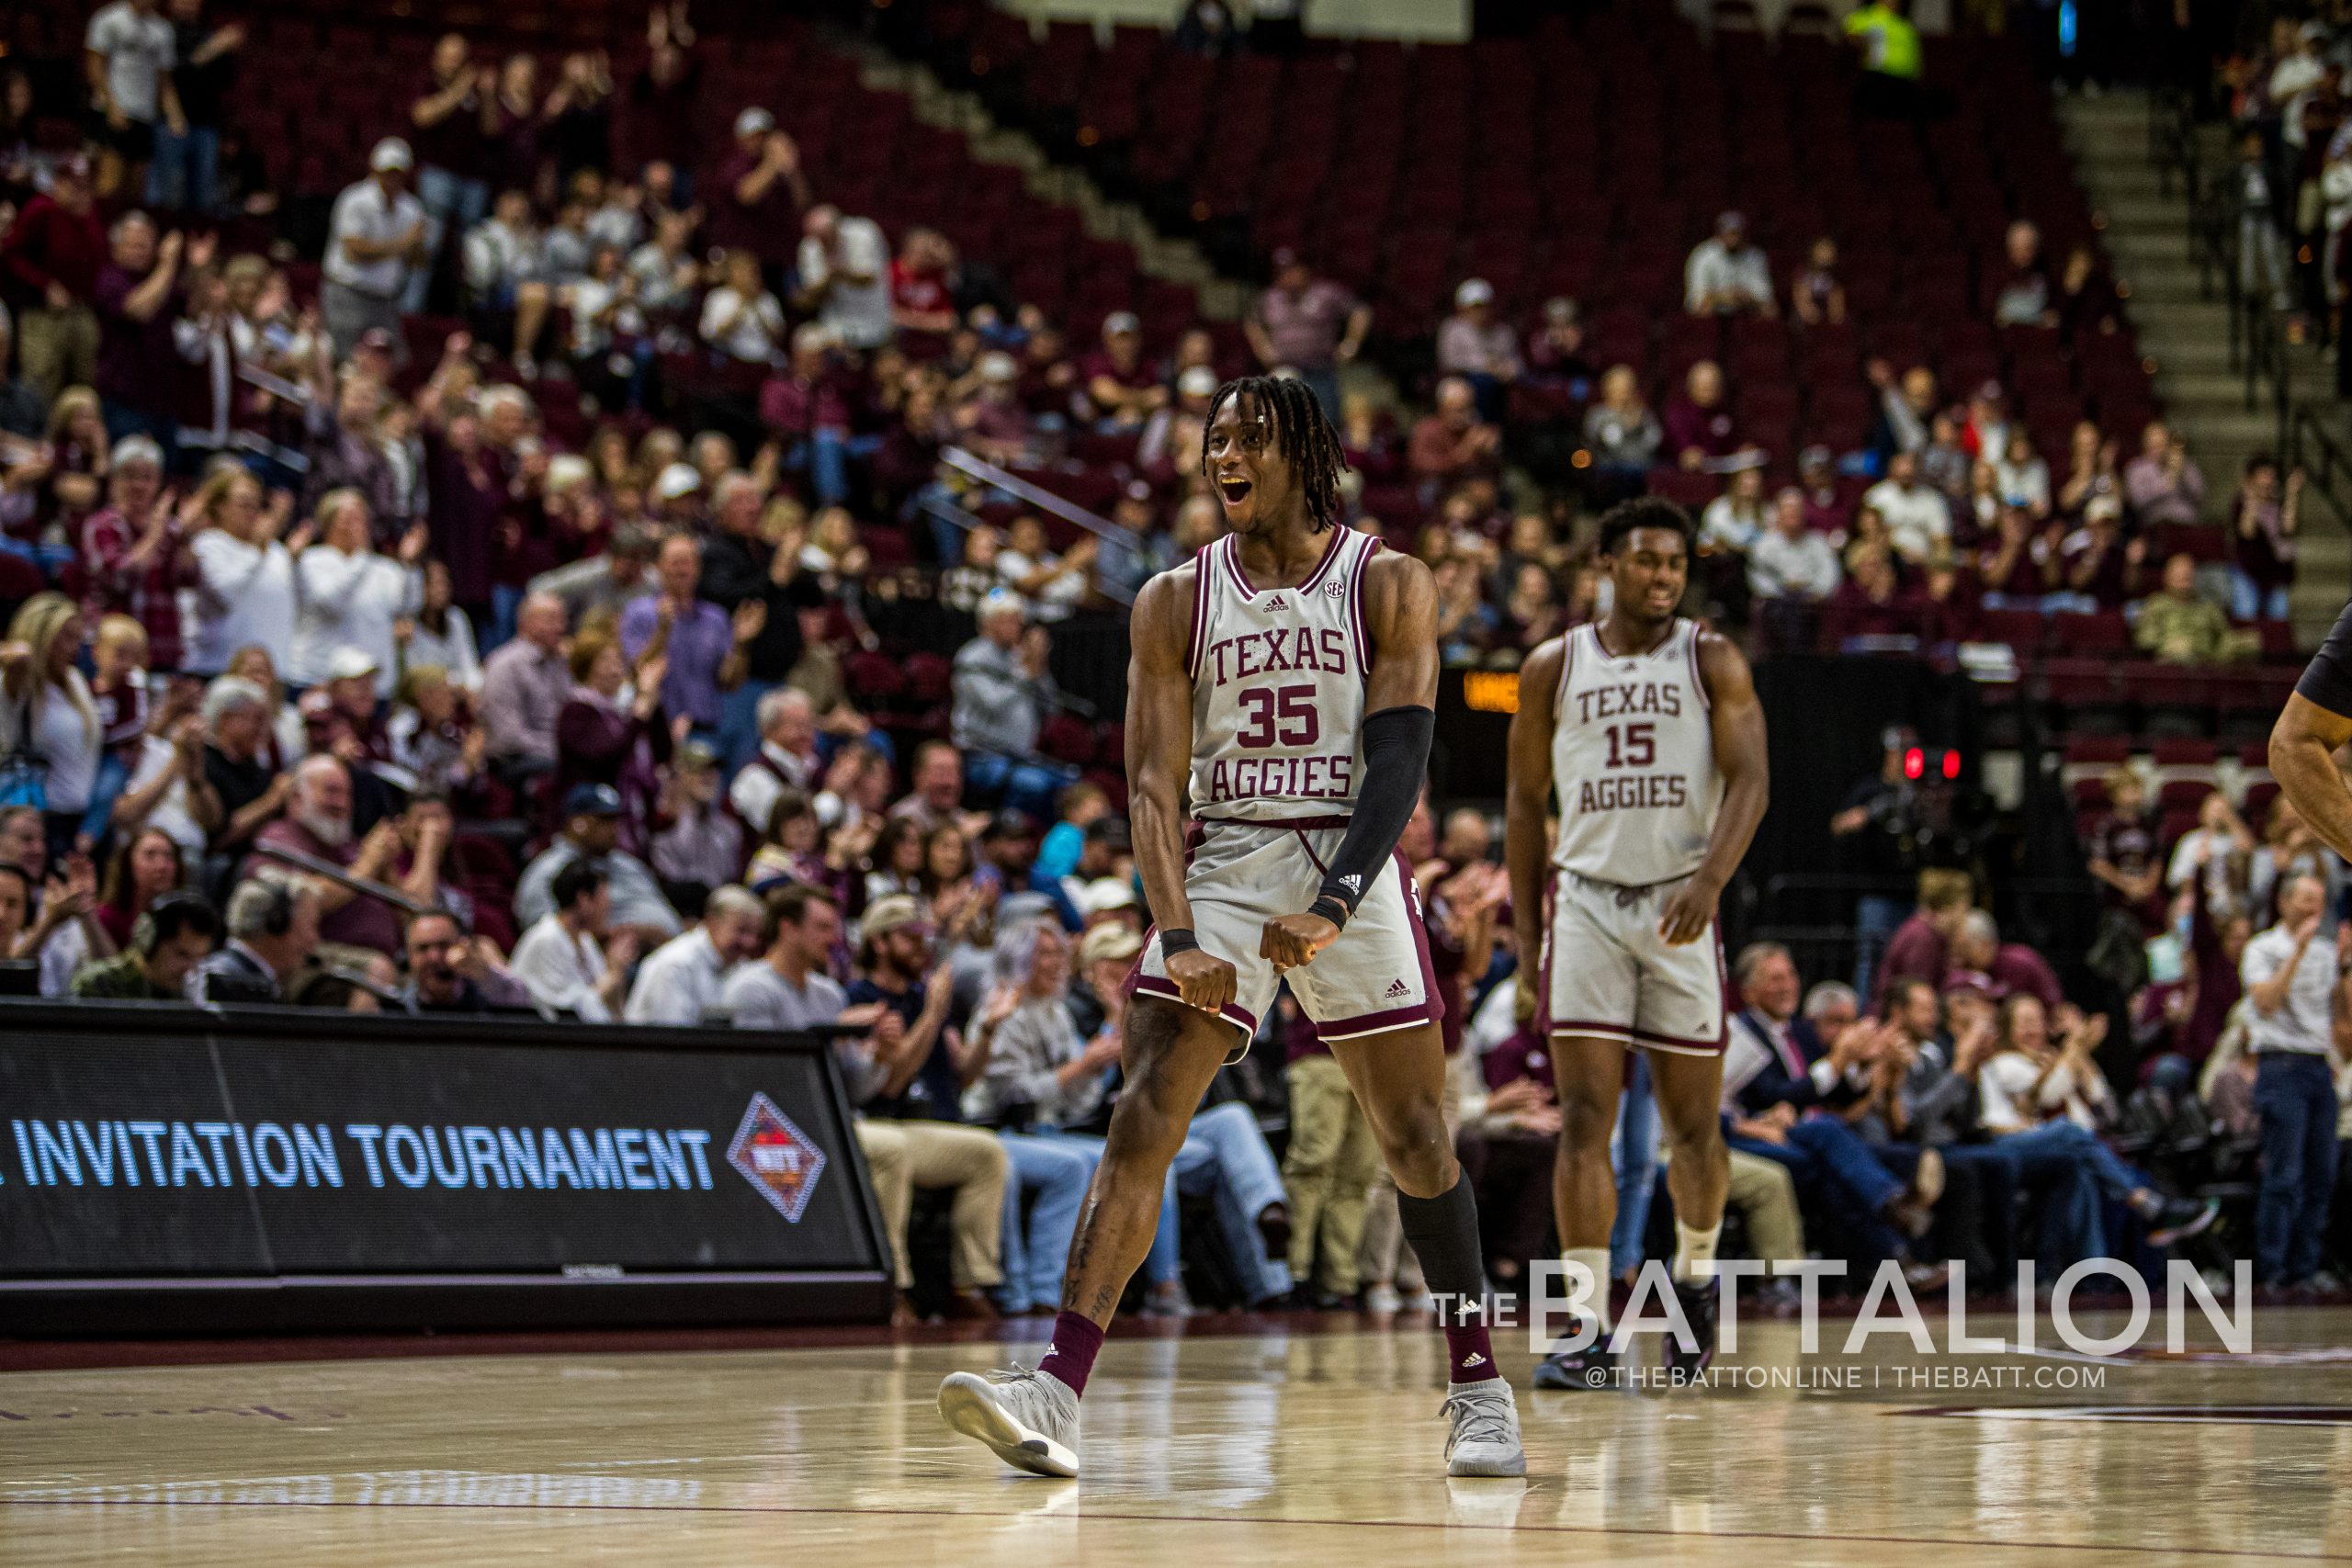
(1307, 1447)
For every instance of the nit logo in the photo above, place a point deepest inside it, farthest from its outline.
(777, 1157)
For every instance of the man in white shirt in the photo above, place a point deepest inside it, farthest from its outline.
(592, 832)
(787, 757)
(1788, 559)
(686, 976)
(376, 235)
(1918, 518)
(566, 961)
(2297, 1025)
(845, 274)
(128, 52)
(1727, 276)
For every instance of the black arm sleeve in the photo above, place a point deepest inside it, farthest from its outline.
(1396, 762)
(2328, 681)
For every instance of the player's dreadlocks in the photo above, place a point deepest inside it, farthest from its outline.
(1301, 435)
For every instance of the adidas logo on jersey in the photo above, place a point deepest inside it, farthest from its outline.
(1276, 601)
(1398, 988)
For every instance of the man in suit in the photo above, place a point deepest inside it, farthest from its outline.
(272, 929)
(1787, 1096)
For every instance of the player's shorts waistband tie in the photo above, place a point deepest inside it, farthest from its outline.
(1626, 896)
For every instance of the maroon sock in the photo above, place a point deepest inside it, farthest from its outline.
(1469, 1353)
(1076, 1340)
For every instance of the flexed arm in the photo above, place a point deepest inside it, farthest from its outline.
(1159, 743)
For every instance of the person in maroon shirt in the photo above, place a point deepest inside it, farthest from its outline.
(2013, 967)
(1049, 375)
(921, 304)
(1124, 391)
(662, 122)
(134, 553)
(758, 194)
(137, 295)
(1921, 946)
(48, 262)
(1871, 602)
(1698, 423)
(318, 822)
(2099, 568)
(2017, 566)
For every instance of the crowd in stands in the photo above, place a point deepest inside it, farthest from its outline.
(526, 578)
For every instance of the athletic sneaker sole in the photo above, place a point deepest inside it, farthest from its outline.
(968, 1404)
(1501, 1470)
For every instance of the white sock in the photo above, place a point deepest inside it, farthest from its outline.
(1693, 1248)
(1597, 1260)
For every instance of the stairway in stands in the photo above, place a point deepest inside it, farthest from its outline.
(2187, 334)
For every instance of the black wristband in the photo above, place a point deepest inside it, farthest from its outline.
(1176, 940)
(1331, 908)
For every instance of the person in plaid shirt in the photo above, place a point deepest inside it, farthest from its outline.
(134, 553)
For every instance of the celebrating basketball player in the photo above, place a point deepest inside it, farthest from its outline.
(1650, 731)
(1292, 666)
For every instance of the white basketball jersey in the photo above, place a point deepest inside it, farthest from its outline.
(1278, 678)
(1634, 761)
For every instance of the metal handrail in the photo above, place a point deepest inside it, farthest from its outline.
(980, 469)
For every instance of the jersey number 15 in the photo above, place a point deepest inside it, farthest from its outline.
(1637, 747)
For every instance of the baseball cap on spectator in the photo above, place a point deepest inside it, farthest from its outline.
(1105, 895)
(1121, 321)
(1001, 602)
(349, 663)
(754, 122)
(1474, 291)
(677, 480)
(1108, 943)
(592, 800)
(896, 912)
(1008, 823)
(1197, 381)
(1815, 456)
(2102, 505)
(698, 755)
(138, 449)
(1017, 908)
(567, 470)
(392, 156)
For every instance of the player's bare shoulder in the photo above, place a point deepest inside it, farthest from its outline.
(1399, 599)
(1724, 672)
(1160, 627)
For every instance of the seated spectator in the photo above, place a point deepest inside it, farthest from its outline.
(843, 274)
(1003, 686)
(2097, 568)
(571, 960)
(1826, 512)
(452, 971)
(272, 923)
(2021, 477)
(1475, 345)
(921, 302)
(2039, 1102)
(2290, 849)
(2019, 564)
(317, 823)
(173, 934)
(1624, 435)
(686, 976)
(1727, 276)
(591, 833)
(1815, 297)
(505, 271)
(2086, 300)
(1907, 410)
(2090, 471)
(1788, 562)
(1985, 429)
(788, 757)
(598, 586)
(2219, 852)
(2124, 851)
(1921, 947)
(1699, 428)
(2012, 968)
(439, 634)
(1123, 389)
(48, 725)
(2178, 626)
(991, 419)
(1050, 585)
(2164, 484)
(2262, 541)
(2023, 297)
(1555, 351)
(935, 786)
(1452, 443)
(741, 320)
(1141, 550)
(1533, 613)
(1733, 519)
(1870, 603)
(1944, 462)
(1918, 518)
(1467, 625)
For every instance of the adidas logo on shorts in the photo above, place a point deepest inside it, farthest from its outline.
(1398, 988)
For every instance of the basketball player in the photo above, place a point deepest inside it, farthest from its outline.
(1649, 730)
(1292, 666)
